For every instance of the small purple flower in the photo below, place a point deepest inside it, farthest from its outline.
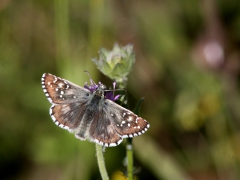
(92, 87)
(109, 94)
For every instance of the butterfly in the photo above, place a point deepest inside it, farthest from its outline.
(88, 113)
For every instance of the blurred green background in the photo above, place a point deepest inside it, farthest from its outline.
(187, 68)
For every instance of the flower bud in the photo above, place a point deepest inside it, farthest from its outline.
(116, 64)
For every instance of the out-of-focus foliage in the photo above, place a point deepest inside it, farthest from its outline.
(187, 68)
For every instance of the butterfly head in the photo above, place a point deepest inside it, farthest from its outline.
(100, 90)
(101, 87)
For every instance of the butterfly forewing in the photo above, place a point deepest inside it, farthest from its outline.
(59, 91)
(126, 123)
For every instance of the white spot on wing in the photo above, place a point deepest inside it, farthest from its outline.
(130, 118)
(50, 111)
(55, 79)
(119, 141)
(137, 119)
(112, 144)
(50, 100)
(60, 85)
(54, 119)
(96, 141)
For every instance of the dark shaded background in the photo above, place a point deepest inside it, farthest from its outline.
(187, 68)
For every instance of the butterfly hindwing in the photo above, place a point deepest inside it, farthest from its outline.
(68, 116)
(102, 130)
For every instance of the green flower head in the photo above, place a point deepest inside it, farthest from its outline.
(116, 64)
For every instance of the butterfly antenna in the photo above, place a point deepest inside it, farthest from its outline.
(91, 80)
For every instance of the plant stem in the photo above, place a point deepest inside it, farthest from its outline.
(101, 163)
(129, 148)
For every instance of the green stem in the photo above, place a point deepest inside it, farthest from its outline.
(129, 148)
(101, 163)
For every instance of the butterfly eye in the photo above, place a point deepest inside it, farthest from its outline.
(102, 86)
